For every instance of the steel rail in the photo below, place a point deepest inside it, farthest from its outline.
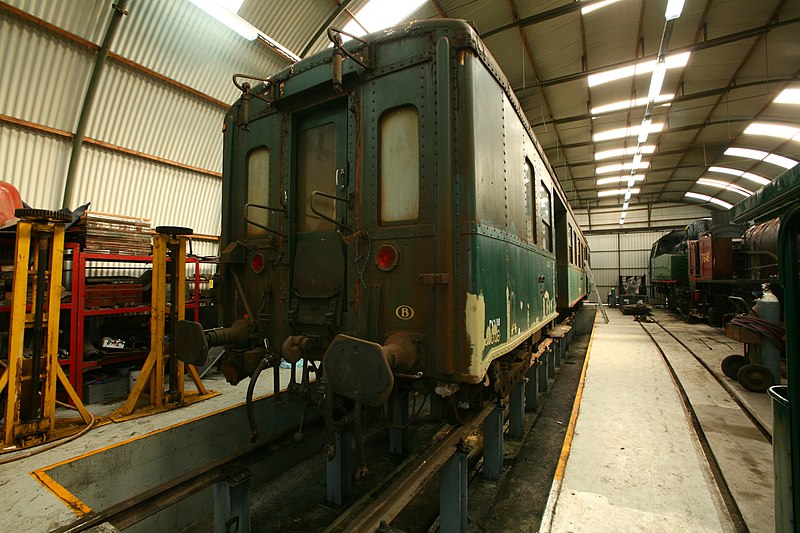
(135, 509)
(386, 501)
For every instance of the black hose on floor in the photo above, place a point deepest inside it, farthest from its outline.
(251, 417)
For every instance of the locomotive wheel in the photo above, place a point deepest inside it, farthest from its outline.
(755, 378)
(732, 364)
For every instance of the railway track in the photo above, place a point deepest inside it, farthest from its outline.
(708, 399)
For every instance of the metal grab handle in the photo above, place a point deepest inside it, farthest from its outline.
(325, 217)
(739, 302)
(259, 225)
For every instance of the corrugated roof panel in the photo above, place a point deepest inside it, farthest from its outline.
(35, 164)
(85, 18)
(607, 43)
(41, 80)
(130, 186)
(197, 51)
(486, 15)
(713, 68)
(557, 46)
(289, 22)
(142, 114)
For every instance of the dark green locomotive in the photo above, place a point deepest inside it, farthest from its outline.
(387, 209)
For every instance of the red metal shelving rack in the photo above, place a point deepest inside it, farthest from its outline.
(78, 312)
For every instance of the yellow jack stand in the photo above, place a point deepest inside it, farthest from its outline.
(31, 381)
(169, 242)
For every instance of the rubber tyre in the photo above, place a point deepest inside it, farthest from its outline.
(732, 364)
(755, 378)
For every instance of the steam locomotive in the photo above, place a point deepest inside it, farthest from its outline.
(698, 269)
(390, 219)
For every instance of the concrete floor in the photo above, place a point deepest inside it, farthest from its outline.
(636, 463)
(27, 505)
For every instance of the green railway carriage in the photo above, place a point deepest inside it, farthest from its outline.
(387, 209)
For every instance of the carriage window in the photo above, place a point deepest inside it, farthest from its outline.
(530, 200)
(258, 189)
(571, 242)
(399, 166)
(316, 171)
(546, 203)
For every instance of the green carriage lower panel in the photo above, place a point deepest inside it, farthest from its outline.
(670, 267)
(510, 296)
(572, 286)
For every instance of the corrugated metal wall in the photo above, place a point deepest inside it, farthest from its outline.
(44, 76)
(640, 216)
(620, 254)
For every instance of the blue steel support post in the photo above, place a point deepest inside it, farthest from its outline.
(453, 492)
(544, 384)
(232, 504)
(398, 436)
(437, 407)
(790, 277)
(339, 470)
(516, 415)
(493, 443)
(532, 388)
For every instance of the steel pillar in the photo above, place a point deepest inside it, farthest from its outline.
(339, 470)
(560, 351)
(232, 504)
(493, 443)
(553, 357)
(398, 436)
(453, 492)
(516, 416)
(532, 388)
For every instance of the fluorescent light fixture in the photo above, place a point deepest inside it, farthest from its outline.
(758, 155)
(726, 170)
(624, 207)
(379, 14)
(598, 5)
(657, 81)
(725, 185)
(707, 198)
(628, 193)
(788, 96)
(621, 152)
(781, 161)
(674, 9)
(617, 192)
(627, 104)
(625, 166)
(225, 12)
(637, 160)
(644, 130)
(773, 130)
(645, 67)
(620, 179)
(620, 133)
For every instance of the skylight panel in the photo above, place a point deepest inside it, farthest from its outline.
(620, 179)
(708, 198)
(758, 155)
(788, 96)
(379, 14)
(225, 12)
(624, 166)
(719, 184)
(781, 161)
(598, 5)
(621, 133)
(773, 130)
(645, 67)
(761, 180)
(616, 192)
(621, 152)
